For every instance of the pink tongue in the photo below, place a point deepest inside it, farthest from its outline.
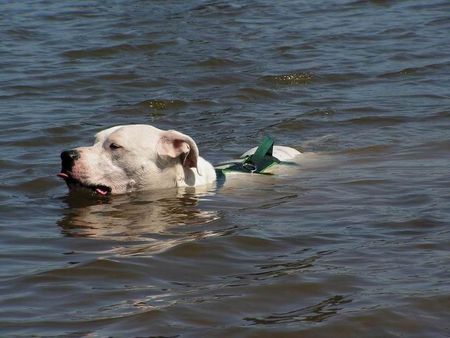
(62, 175)
(101, 192)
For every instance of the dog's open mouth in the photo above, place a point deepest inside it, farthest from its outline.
(71, 182)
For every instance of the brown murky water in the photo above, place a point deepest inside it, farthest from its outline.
(354, 244)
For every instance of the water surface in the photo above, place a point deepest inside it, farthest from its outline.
(354, 243)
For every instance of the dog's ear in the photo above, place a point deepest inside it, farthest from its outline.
(175, 144)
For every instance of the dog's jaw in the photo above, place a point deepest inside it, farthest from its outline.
(75, 184)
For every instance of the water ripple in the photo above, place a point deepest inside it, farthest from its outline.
(297, 78)
(112, 50)
(354, 234)
(315, 313)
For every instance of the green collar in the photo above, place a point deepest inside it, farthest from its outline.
(257, 163)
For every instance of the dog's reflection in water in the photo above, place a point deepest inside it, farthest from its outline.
(142, 222)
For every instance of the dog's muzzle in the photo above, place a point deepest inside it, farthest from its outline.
(68, 159)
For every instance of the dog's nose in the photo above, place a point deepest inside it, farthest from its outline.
(68, 157)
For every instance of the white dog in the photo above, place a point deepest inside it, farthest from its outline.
(142, 157)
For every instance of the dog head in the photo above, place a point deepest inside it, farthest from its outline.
(130, 157)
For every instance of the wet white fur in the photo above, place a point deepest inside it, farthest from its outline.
(147, 158)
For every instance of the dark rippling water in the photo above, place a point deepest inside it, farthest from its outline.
(354, 244)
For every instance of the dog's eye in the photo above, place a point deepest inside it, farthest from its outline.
(114, 146)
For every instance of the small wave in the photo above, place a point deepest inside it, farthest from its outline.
(162, 104)
(156, 107)
(36, 185)
(444, 21)
(367, 182)
(410, 71)
(366, 109)
(297, 78)
(372, 149)
(316, 119)
(400, 73)
(221, 8)
(112, 50)
(256, 93)
(290, 125)
(375, 2)
(341, 77)
(377, 120)
(417, 225)
(314, 313)
(445, 114)
(305, 78)
(24, 34)
(326, 112)
(216, 62)
(29, 141)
